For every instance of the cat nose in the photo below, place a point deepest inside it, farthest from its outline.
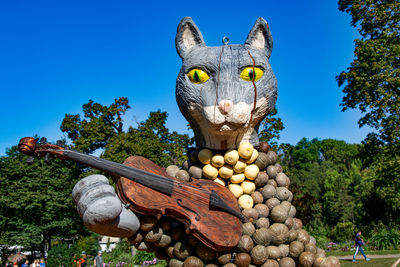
(225, 105)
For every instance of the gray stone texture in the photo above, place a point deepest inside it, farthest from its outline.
(101, 209)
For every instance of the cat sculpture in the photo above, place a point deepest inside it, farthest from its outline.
(224, 93)
(216, 90)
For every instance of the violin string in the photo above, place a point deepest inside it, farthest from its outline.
(162, 180)
(192, 196)
(182, 186)
(179, 189)
(201, 199)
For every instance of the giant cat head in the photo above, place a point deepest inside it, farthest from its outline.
(225, 92)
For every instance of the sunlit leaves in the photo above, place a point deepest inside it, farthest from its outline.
(150, 139)
(271, 127)
(100, 123)
(372, 82)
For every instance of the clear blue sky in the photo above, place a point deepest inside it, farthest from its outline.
(56, 55)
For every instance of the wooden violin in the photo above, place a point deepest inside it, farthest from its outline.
(209, 210)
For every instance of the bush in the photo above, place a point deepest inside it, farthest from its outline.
(343, 231)
(386, 238)
(89, 244)
(120, 254)
(61, 255)
(319, 231)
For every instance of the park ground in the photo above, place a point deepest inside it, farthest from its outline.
(380, 262)
(378, 258)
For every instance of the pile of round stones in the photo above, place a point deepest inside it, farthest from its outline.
(272, 236)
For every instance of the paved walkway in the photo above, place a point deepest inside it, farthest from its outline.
(371, 256)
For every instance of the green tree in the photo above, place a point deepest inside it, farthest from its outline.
(342, 231)
(302, 165)
(386, 186)
(61, 254)
(306, 186)
(271, 127)
(339, 152)
(338, 187)
(306, 153)
(88, 243)
(338, 203)
(152, 140)
(372, 85)
(100, 124)
(36, 201)
(323, 174)
(372, 82)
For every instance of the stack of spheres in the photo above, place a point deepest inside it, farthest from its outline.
(272, 237)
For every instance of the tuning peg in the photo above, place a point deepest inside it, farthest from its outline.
(30, 160)
(47, 158)
(43, 140)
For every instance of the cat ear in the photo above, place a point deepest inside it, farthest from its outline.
(187, 37)
(260, 36)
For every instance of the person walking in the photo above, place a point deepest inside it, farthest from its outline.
(359, 243)
(98, 260)
(25, 264)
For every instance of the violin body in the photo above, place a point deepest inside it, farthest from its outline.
(188, 203)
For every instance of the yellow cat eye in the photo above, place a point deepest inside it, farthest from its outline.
(249, 75)
(198, 76)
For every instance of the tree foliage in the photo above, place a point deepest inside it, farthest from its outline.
(36, 201)
(271, 127)
(322, 179)
(61, 254)
(372, 82)
(89, 244)
(335, 190)
(386, 181)
(100, 123)
(372, 85)
(150, 139)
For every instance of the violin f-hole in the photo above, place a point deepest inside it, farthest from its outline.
(179, 201)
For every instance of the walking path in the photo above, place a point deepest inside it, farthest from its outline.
(371, 256)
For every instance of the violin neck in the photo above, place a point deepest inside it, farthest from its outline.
(156, 182)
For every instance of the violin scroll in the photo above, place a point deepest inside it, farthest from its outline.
(32, 147)
(27, 146)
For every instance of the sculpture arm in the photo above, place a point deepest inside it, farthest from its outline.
(101, 210)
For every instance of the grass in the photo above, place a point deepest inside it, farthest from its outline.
(373, 262)
(370, 252)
